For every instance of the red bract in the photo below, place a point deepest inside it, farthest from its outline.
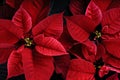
(105, 5)
(94, 13)
(80, 35)
(35, 45)
(39, 13)
(77, 7)
(14, 3)
(110, 36)
(80, 27)
(104, 70)
(81, 69)
(6, 12)
(38, 9)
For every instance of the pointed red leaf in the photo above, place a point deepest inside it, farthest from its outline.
(4, 54)
(14, 3)
(22, 20)
(113, 68)
(49, 46)
(112, 46)
(76, 32)
(77, 7)
(94, 13)
(81, 70)
(89, 50)
(10, 27)
(82, 66)
(65, 39)
(104, 70)
(111, 60)
(114, 4)
(36, 66)
(14, 65)
(83, 22)
(100, 51)
(103, 4)
(111, 21)
(38, 9)
(44, 66)
(28, 66)
(50, 26)
(9, 33)
(6, 45)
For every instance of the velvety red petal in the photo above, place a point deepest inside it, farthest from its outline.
(81, 70)
(112, 46)
(14, 3)
(82, 66)
(76, 32)
(111, 21)
(14, 65)
(113, 77)
(44, 66)
(82, 21)
(104, 70)
(62, 64)
(89, 50)
(111, 60)
(22, 20)
(50, 26)
(114, 4)
(100, 51)
(36, 66)
(4, 54)
(49, 46)
(9, 33)
(103, 4)
(28, 66)
(94, 13)
(6, 45)
(38, 9)
(65, 39)
(77, 7)
(117, 70)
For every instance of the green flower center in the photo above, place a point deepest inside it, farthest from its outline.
(28, 42)
(98, 64)
(97, 34)
(98, 67)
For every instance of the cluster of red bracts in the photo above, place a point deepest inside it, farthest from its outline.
(84, 47)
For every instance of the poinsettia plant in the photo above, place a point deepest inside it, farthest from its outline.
(33, 43)
(96, 35)
(37, 45)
